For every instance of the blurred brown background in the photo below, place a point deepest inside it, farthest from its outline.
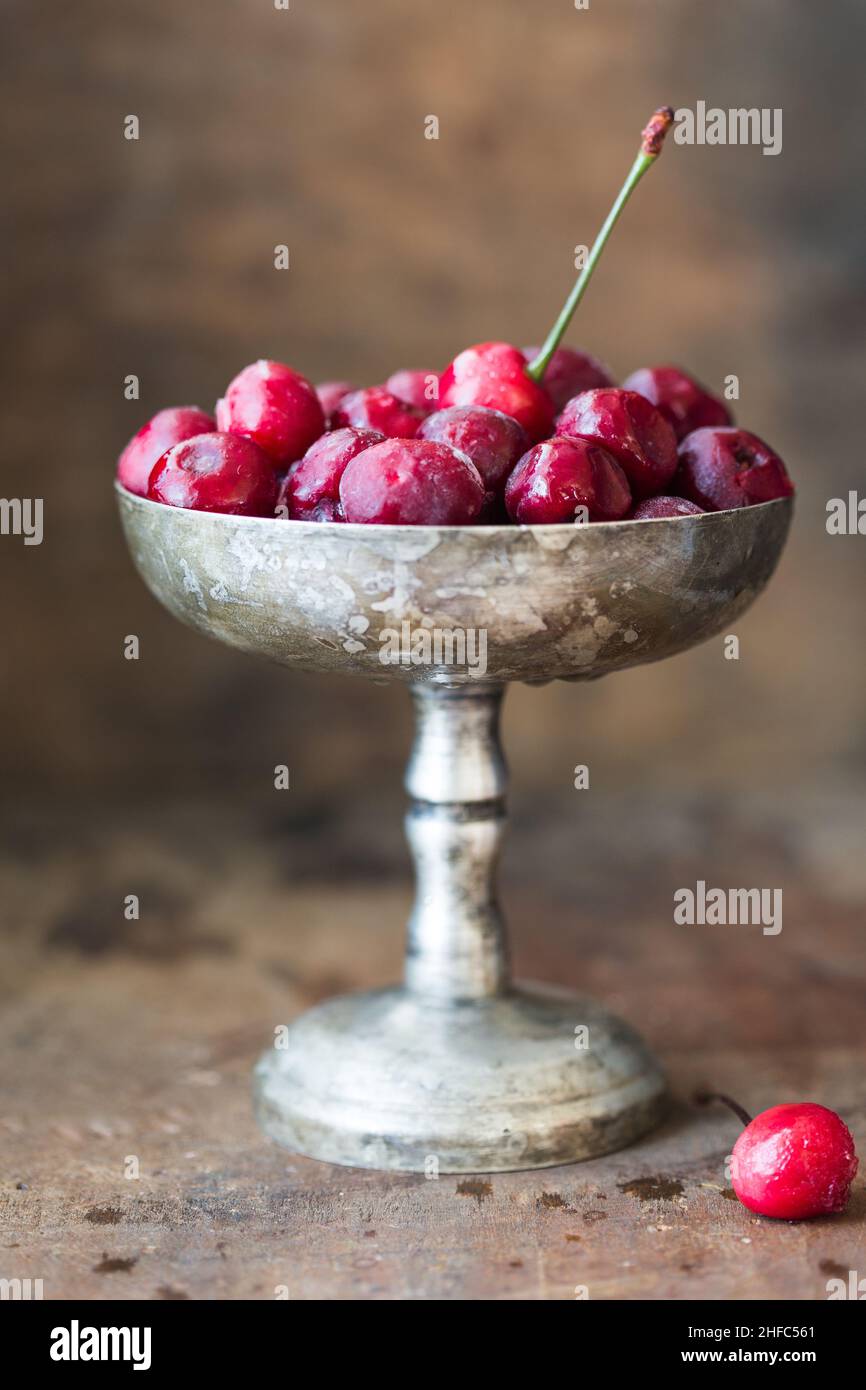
(155, 777)
(260, 126)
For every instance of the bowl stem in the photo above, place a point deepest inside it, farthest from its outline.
(456, 780)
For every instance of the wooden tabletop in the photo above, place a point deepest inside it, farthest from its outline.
(131, 1165)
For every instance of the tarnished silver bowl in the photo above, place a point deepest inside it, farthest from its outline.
(457, 1069)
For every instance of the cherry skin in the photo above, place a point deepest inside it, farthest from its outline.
(311, 490)
(570, 372)
(412, 482)
(417, 388)
(684, 402)
(376, 408)
(560, 475)
(640, 439)
(654, 507)
(493, 441)
(216, 473)
(793, 1162)
(725, 468)
(330, 393)
(494, 375)
(275, 406)
(167, 427)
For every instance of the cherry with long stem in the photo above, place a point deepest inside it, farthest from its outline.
(652, 139)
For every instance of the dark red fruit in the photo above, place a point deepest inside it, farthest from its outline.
(494, 375)
(311, 491)
(640, 439)
(167, 427)
(725, 468)
(330, 393)
(560, 475)
(682, 401)
(654, 507)
(376, 408)
(420, 389)
(794, 1161)
(216, 473)
(412, 482)
(570, 372)
(493, 441)
(275, 406)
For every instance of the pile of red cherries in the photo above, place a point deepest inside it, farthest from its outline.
(482, 443)
(535, 436)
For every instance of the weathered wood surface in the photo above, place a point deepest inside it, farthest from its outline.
(124, 1039)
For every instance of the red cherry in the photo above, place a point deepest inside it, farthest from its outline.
(167, 427)
(420, 389)
(682, 401)
(412, 482)
(495, 375)
(311, 490)
(376, 408)
(493, 441)
(639, 438)
(569, 372)
(654, 507)
(275, 406)
(560, 475)
(216, 473)
(330, 393)
(794, 1161)
(725, 468)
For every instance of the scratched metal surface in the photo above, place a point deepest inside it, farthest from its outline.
(554, 601)
(122, 1039)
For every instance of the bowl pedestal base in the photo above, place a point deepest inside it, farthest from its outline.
(457, 1071)
(385, 1080)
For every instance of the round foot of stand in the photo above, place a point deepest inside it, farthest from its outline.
(389, 1080)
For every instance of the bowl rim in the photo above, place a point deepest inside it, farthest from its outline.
(377, 530)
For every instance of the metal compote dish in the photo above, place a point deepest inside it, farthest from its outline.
(458, 1066)
(459, 1069)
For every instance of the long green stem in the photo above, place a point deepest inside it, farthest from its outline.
(651, 144)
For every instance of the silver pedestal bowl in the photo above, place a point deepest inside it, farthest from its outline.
(457, 1069)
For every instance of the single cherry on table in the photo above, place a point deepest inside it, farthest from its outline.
(792, 1161)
